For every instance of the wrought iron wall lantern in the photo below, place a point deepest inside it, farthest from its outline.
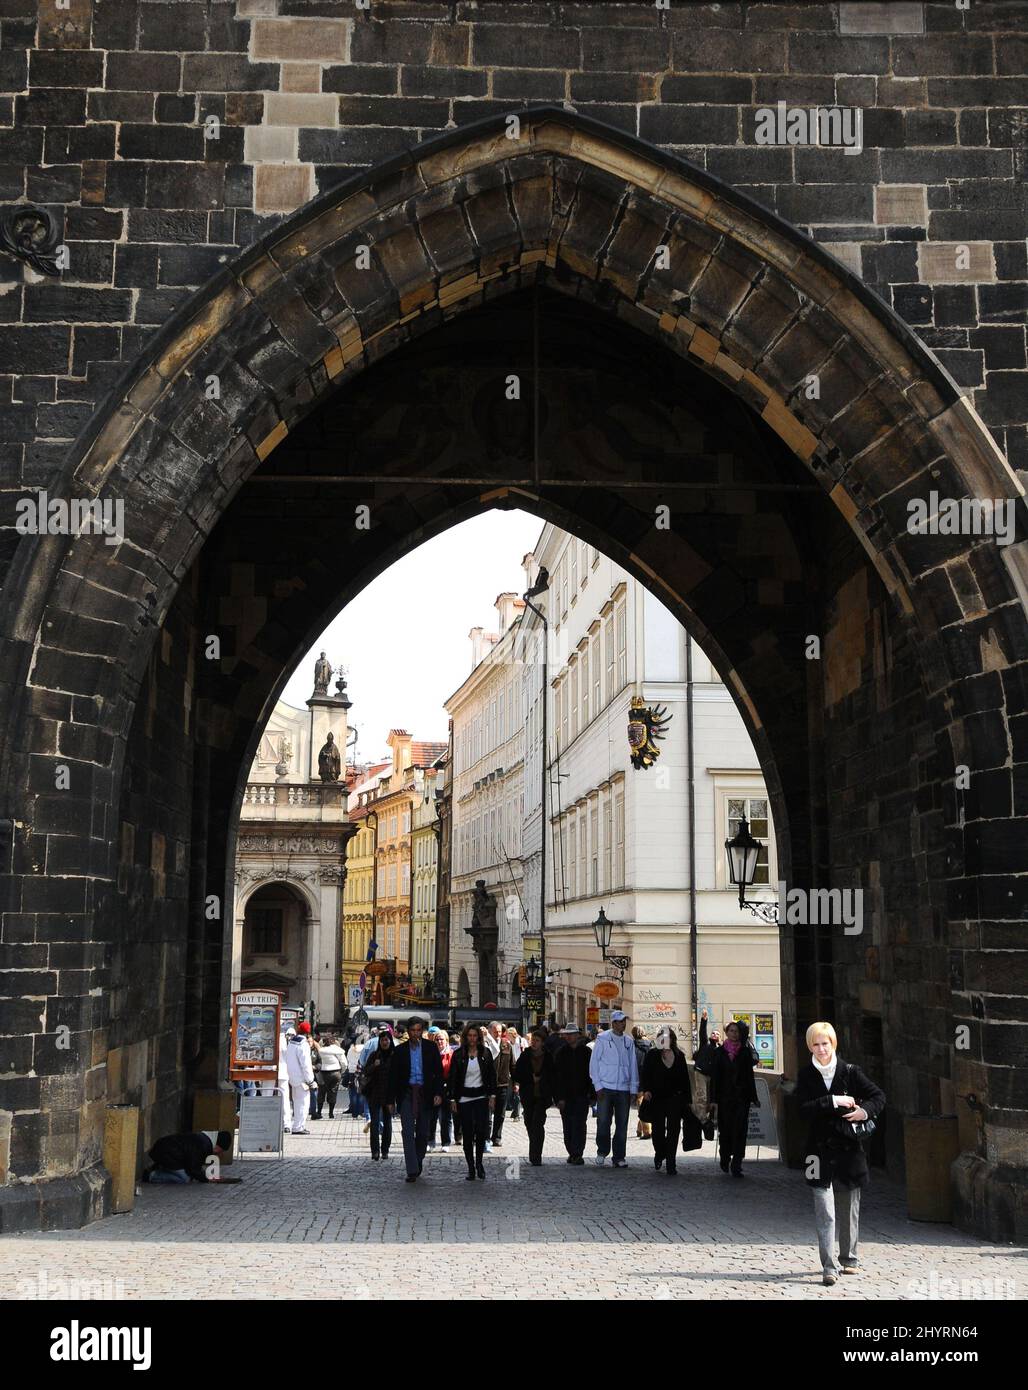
(743, 853)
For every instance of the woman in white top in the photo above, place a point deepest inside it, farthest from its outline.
(358, 1106)
(331, 1060)
(472, 1090)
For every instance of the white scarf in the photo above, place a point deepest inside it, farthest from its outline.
(827, 1072)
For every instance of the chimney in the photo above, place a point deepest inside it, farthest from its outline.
(531, 567)
(400, 742)
(505, 606)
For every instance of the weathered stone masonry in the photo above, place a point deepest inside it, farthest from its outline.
(109, 133)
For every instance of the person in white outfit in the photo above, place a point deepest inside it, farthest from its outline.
(614, 1072)
(301, 1076)
(283, 1081)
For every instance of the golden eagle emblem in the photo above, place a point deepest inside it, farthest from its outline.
(646, 724)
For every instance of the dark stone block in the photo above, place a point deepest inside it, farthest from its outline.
(392, 111)
(172, 28)
(160, 142)
(913, 303)
(173, 109)
(1003, 346)
(143, 72)
(613, 50)
(690, 125)
(375, 42)
(227, 72)
(43, 349)
(51, 106)
(47, 303)
(65, 68)
(383, 81)
(86, 224)
(954, 304)
(185, 185)
(1003, 302)
(125, 185)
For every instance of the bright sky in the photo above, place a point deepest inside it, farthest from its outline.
(425, 605)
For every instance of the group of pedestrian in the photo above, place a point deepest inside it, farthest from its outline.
(446, 1088)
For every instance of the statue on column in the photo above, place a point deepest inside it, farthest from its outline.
(329, 765)
(322, 675)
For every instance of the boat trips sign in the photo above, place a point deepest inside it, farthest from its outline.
(255, 1033)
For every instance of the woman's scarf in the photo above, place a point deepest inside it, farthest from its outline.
(732, 1048)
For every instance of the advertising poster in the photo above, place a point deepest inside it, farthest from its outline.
(255, 1033)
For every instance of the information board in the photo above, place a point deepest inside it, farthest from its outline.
(260, 1124)
(255, 1034)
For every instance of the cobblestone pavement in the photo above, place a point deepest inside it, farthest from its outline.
(575, 1232)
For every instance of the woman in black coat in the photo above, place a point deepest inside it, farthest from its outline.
(375, 1089)
(835, 1096)
(666, 1090)
(534, 1083)
(731, 1088)
(471, 1086)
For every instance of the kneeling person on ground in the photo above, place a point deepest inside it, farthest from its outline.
(183, 1157)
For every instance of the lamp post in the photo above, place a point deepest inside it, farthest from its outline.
(542, 583)
(603, 929)
(743, 852)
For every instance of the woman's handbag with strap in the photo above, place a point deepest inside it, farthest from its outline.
(692, 1132)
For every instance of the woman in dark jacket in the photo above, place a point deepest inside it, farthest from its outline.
(666, 1090)
(471, 1086)
(730, 1087)
(835, 1096)
(375, 1084)
(533, 1081)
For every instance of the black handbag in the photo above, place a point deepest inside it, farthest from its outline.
(692, 1131)
(708, 1127)
(646, 1112)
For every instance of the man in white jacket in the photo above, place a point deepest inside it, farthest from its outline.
(301, 1075)
(283, 1079)
(614, 1072)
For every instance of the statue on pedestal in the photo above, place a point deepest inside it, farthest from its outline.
(322, 675)
(329, 765)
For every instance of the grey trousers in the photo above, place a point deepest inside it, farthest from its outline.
(849, 1221)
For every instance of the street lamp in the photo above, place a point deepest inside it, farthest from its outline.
(531, 971)
(541, 585)
(602, 930)
(743, 852)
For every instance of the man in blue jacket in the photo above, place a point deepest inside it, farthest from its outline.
(415, 1088)
(614, 1072)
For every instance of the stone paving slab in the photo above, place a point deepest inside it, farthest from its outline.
(576, 1233)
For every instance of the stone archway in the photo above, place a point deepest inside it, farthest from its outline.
(735, 297)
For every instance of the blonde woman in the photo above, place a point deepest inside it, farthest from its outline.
(839, 1100)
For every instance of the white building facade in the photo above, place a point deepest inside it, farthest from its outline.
(488, 816)
(619, 836)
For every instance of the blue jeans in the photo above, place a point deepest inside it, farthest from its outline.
(168, 1175)
(616, 1105)
(358, 1104)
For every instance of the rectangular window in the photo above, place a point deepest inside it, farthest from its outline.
(564, 588)
(619, 840)
(573, 548)
(381, 882)
(583, 846)
(574, 699)
(608, 642)
(622, 676)
(390, 943)
(585, 688)
(594, 849)
(391, 881)
(392, 827)
(585, 563)
(405, 881)
(564, 692)
(406, 822)
(594, 648)
(608, 845)
(573, 860)
(754, 808)
(265, 931)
